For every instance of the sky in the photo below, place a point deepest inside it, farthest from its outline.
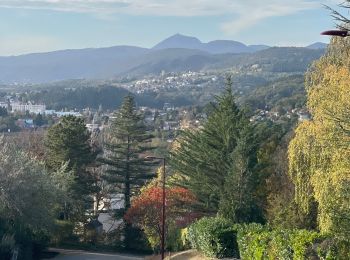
(28, 26)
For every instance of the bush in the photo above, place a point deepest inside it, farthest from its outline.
(62, 232)
(261, 242)
(175, 241)
(253, 241)
(214, 237)
(138, 241)
(304, 242)
(185, 238)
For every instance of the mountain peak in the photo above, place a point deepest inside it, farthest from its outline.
(179, 41)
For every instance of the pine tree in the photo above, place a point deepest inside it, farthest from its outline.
(239, 200)
(204, 157)
(219, 162)
(68, 142)
(128, 140)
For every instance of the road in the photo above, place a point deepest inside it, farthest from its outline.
(83, 255)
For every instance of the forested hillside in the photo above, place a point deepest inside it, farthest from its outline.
(107, 63)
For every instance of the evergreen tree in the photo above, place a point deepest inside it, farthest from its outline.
(238, 200)
(128, 141)
(39, 120)
(68, 142)
(203, 157)
(217, 163)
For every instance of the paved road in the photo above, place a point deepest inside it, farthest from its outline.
(83, 255)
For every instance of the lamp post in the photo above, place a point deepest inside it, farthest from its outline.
(162, 246)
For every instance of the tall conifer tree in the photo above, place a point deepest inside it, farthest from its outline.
(216, 161)
(68, 142)
(203, 158)
(128, 141)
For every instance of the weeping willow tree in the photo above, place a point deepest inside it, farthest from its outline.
(319, 154)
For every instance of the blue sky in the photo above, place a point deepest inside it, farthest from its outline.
(44, 25)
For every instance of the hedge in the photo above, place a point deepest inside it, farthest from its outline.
(214, 237)
(217, 237)
(261, 242)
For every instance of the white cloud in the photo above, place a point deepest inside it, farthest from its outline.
(257, 11)
(244, 13)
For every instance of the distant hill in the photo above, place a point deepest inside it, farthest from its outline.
(317, 45)
(68, 64)
(276, 59)
(215, 47)
(179, 41)
(175, 54)
(258, 47)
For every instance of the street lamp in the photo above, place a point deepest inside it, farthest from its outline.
(163, 202)
(341, 33)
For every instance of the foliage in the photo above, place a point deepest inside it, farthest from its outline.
(214, 237)
(146, 213)
(343, 21)
(79, 95)
(285, 93)
(28, 196)
(127, 142)
(281, 209)
(261, 242)
(31, 142)
(319, 153)
(217, 162)
(8, 122)
(39, 120)
(62, 232)
(68, 141)
(68, 145)
(252, 240)
(185, 242)
(240, 198)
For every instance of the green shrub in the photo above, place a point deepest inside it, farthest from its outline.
(185, 238)
(302, 242)
(253, 241)
(279, 246)
(261, 242)
(214, 237)
(332, 248)
(175, 241)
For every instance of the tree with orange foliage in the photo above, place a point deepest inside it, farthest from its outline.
(146, 211)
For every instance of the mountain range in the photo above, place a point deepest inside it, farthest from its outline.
(214, 47)
(174, 54)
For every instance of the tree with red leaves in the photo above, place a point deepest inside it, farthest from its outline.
(146, 211)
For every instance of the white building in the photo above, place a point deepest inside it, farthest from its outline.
(70, 113)
(33, 109)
